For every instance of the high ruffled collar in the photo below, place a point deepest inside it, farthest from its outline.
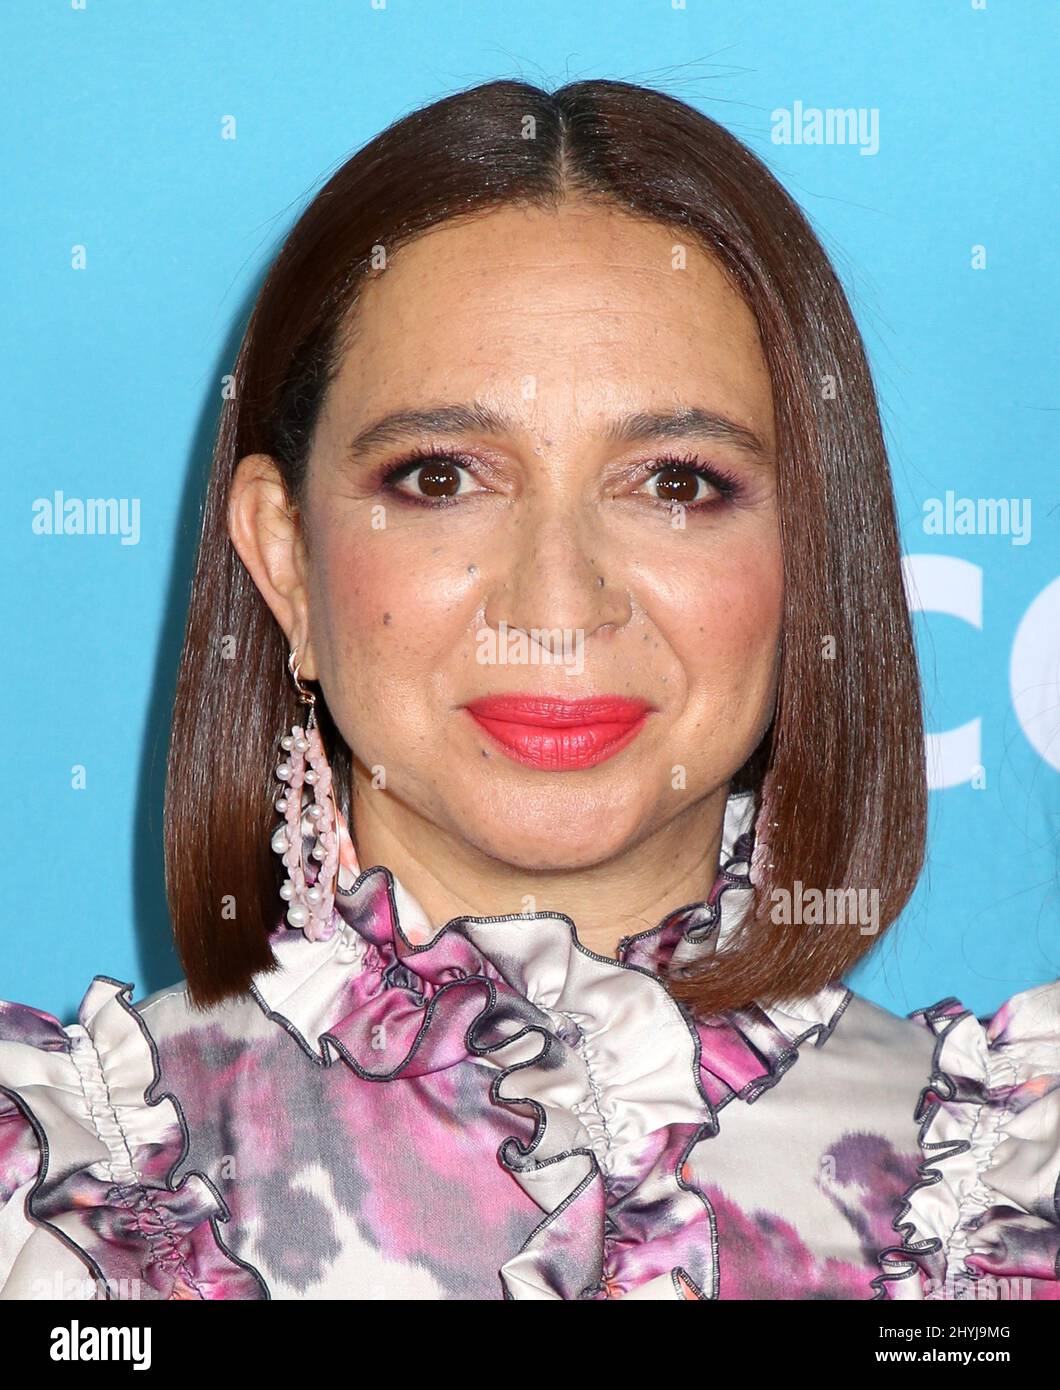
(702, 928)
(621, 1080)
(683, 935)
(382, 927)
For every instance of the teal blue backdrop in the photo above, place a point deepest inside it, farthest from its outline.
(135, 236)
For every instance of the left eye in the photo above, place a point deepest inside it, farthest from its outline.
(680, 484)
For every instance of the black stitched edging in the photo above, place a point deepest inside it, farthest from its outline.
(123, 999)
(944, 1087)
(42, 1142)
(702, 934)
(787, 1059)
(331, 1045)
(705, 1131)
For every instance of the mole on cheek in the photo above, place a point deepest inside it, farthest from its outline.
(386, 619)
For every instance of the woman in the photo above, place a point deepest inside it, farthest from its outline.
(550, 525)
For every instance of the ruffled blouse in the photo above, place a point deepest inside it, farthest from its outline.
(491, 1110)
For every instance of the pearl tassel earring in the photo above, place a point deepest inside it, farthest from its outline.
(312, 819)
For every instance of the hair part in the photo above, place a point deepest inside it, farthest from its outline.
(839, 776)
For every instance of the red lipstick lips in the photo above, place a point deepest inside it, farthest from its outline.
(556, 734)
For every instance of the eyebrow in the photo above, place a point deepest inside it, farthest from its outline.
(683, 422)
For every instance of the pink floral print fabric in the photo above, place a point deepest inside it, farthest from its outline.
(492, 1111)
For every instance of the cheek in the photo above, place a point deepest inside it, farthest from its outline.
(732, 621)
(378, 615)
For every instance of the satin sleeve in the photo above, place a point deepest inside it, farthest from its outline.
(983, 1219)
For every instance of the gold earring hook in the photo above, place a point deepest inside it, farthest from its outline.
(304, 693)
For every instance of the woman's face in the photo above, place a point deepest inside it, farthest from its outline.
(540, 552)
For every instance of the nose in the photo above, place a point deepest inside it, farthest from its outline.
(559, 573)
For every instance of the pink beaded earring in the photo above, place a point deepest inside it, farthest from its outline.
(313, 839)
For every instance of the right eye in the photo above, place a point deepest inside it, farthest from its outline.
(434, 478)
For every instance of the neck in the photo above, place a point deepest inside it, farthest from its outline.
(451, 877)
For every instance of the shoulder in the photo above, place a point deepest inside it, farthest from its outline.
(87, 1148)
(979, 1099)
(862, 1058)
(986, 1206)
(1019, 1042)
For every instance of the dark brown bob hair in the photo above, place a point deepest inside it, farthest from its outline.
(840, 772)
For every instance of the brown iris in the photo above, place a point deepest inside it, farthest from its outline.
(676, 485)
(438, 479)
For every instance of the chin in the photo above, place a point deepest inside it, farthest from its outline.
(549, 837)
(550, 854)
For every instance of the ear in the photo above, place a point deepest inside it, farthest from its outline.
(266, 531)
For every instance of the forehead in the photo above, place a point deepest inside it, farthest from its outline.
(587, 303)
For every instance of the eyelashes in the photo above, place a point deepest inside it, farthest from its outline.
(726, 485)
(438, 465)
(431, 461)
